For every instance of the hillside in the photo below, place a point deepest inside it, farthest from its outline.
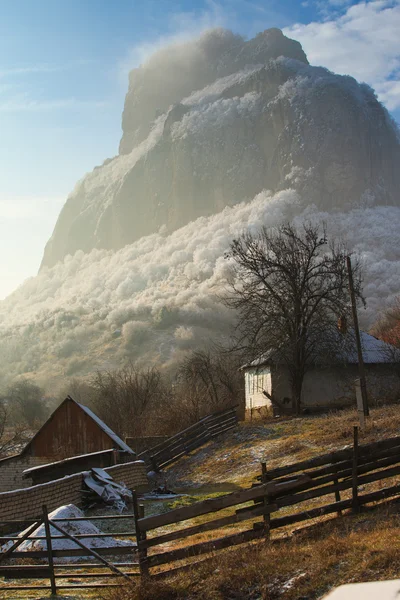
(306, 560)
(234, 458)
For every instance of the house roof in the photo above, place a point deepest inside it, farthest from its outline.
(374, 352)
(121, 444)
(109, 432)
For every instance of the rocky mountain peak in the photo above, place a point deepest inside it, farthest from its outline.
(171, 74)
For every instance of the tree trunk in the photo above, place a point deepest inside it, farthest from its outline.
(296, 394)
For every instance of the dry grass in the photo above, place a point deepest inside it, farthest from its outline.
(235, 457)
(361, 547)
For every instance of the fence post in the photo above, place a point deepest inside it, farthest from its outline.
(337, 492)
(49, 550)
(355, 465)
(138, 512)
(266, 517)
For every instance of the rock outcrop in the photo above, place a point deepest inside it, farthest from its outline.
(214, 122)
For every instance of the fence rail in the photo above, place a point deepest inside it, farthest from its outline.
(293, 488)
(53, 572)
(170, 450)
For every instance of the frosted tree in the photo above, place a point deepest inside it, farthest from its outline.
(289, 289)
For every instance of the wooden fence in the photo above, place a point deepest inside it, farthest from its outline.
(292, 489)
(280, 498)
(53, 572)
(189, 439)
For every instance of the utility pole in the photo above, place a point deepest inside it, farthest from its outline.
(361, 370)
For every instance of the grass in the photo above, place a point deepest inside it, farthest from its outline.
(235, 457)
(362, 547)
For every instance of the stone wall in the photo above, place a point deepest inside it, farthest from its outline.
(27, 503)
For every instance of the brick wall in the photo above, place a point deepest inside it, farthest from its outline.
(11, 471)
(27, 503)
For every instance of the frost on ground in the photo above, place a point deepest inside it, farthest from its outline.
(74, 528)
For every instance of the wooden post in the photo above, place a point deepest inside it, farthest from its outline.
(49, 550)
(266, 517)
(337, 493)
(361, 369)
(138, 513)
(355, 465)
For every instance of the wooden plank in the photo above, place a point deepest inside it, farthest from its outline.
(77, 566)
(49, 549)
(222, 424)
(78, 535)
(140, 536)
(109, 551)
(170, 450)
(9, 588)
(99, 518)
(95, 575)
(244, 514)
(215, 504)
(337, 506)
(204, 547)
(373, 466)
(223, 431)
(172, 460)
(289, 500)
(365, 460)
(267, 516)
(26, 572)
(310, 514)
(337, 456)
(354, 470)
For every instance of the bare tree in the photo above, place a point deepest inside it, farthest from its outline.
(209, 381)
(289, 288)
(12, 437)
(129, 399)
(387, 328)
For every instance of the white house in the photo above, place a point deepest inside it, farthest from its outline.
(324, 386)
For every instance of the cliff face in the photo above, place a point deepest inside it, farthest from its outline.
(214, 122)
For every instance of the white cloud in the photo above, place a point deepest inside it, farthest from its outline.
(182, 27)
(362, 42)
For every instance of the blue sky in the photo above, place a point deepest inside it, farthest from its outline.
(63, 78)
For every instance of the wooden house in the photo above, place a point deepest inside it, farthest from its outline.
(73, 430)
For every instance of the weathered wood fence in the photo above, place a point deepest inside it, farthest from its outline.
(189, 439)
(53, 572)
(290, 492)
(281, 497)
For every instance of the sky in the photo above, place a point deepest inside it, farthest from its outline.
(64, 74)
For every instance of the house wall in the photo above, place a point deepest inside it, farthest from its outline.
(27, 503)
(335, 386)
(256, 380)
(69, 432)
